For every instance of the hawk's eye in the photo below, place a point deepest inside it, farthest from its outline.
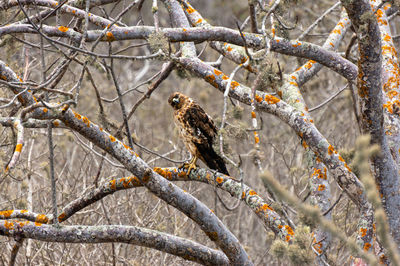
(175, 100)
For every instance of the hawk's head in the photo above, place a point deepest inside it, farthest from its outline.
(177, 100)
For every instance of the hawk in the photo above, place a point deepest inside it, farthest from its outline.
(197, 131)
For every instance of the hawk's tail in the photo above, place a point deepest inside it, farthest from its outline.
(211, 158)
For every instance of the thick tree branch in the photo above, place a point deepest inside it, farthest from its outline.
(369, 85)
(295, 48)
(187, 249)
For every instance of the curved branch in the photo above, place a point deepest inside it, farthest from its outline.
(259, 206)
(295, 48)
(184, 248)
(18, 147)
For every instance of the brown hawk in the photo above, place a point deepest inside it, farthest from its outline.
(197, 131)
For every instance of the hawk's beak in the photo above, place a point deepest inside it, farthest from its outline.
(175, 100)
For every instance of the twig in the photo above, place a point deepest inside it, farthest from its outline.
(329, 99)
(164, 73)
(112, 24)
(334, 204)
(13, 99)
(244, 40)
(14, 252)
(253, 17)
(121, 102)
(95, 152)
(226, 95)
(154, 9)
(318, 20)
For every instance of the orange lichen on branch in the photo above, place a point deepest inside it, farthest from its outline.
(309, 64)
(234, 84)
(331, 150)
(296, 44)
(379, 17)
(317, 246)
(22, 224)
(387, 38)
(347, 166)
(211, 79)
(63, 29)
(7, 213)
(9, 225)
(258, 98)
(388, 107)
(256, 137)
(168, 175)
(265, 207)
(304, 144)
(217, 72)
(388, 49)
(363, 232)
(219, 180)
(18, 147)
(113, 184)
(112, 138)
(321, 187)
(159, 171)
(130, 180)
(190, 10)
(77, 116)
(318, 172)
(270, 99)
(62, 217)
(392, 107)
(289, 231)
(41, 219)
(109, 36)
(253, 114)
(367, 246)
(252, 192)
(86, 121)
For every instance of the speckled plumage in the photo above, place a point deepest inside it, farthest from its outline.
(197, 130)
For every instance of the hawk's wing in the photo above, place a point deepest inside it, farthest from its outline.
(200, 122)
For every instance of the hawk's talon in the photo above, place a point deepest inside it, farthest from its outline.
(189, 166)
